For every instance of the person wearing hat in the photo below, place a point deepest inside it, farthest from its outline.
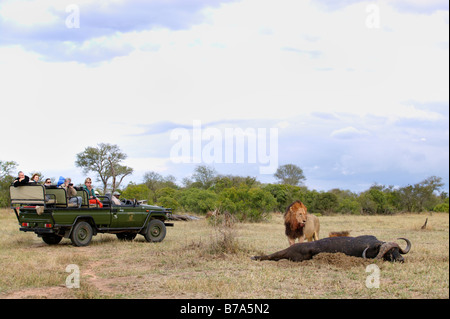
(115, 199)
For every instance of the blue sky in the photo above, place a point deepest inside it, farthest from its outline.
(357, 90)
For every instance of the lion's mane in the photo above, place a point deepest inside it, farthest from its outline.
(293, 229)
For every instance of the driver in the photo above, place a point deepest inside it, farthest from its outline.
(115, 199)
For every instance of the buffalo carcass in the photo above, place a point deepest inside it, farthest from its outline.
(362, 246)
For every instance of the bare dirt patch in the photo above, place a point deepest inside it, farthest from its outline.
(339, 260)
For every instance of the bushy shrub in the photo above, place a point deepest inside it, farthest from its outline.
(349, 206)
(168, 202)
(247, 204)
(197, 200)
(139, 192)
(441, 208)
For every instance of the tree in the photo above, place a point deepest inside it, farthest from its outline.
(226, 181)
(325, 203)
(421, 196)
(153, 180)
(290, 174)
(407, 197)
(139, 192)
(104, 160)
(425, 192)
(247, 203)
(204, 176)
(6, 169)
(198, 200)
(156, 181)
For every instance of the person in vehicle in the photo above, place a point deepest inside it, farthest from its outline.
(91, 192)
(21, 180)
(66, 183)
(47, 182)
(35, 178)
(72, 195)
(88, 187)
(61, 181)
(115, 199)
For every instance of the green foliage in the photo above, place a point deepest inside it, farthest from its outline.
(104, 160)
(167, 197)
(6, 178)
(325, 203)
(347, 202)
(204, 176)
(245, 198)
(139, 192)
(198, 200)
(155, 181)
(289, 174)
(168, 202)
(443, 207)
(285, 194)
(222, 182)
(246, 203)
(348, 206)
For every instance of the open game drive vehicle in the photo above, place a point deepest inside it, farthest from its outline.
(47, 212)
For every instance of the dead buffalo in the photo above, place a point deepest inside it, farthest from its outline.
(362, 246)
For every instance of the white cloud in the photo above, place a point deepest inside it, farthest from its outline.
(233, 65)
(349, 133)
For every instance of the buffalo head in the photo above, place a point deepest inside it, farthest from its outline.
(390, 251)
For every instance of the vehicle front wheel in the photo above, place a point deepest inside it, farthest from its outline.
(51, 239)
(156, 231)
(81, 234)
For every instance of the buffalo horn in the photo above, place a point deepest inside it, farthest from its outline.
(408, 246)
(364, 253)
(385, 247)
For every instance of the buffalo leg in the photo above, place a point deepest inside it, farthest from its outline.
(275, 256)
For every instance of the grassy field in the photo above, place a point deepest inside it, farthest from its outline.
(199, 260)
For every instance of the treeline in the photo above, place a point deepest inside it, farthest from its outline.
(250, 200)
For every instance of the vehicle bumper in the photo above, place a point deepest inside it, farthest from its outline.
(37, 230)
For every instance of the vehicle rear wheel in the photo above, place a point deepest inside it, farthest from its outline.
(156, 231)
(81, 234)
(126, 236)
(51, 239)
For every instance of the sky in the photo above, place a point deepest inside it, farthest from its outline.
(353, 92)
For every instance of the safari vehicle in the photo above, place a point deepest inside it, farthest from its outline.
(47, 212)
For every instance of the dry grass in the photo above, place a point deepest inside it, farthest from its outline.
(200, 260)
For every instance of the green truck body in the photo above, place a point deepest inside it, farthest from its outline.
(47, 212)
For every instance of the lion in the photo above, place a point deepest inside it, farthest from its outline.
(294, 221)
(312, 228)
(299, 224)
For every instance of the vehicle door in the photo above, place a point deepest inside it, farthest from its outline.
(124, 216)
